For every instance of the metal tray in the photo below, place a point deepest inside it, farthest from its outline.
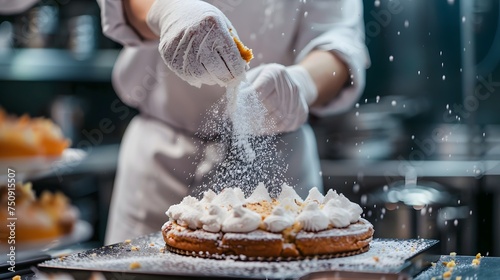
(390, 256)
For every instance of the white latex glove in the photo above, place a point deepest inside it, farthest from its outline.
(195, 41)
(286, 92)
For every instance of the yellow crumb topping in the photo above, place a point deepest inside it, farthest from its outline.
(17, 277)
(135, 265)
(134, 248)
(476, 262)
(478, 256)
(453, 254)
(447, 274)
(127, 241)
(264, 208)
(451, 264)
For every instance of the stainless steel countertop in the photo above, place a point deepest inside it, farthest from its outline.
(489, 268)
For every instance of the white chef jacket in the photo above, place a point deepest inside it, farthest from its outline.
(8, 7)
(160, 152)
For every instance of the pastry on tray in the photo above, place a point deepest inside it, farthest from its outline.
(258, 227)
(36, 218)
(27, 137)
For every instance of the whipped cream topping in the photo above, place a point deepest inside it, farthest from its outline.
(290, 205)
(208, 197)
(228, 198)
(315, 195)
(288, 192)
(279, 220)
(312, 218)
(187, 213)
(230, 211)
(259, 194)
(241, 220)
(213, 219)
(338, 217)
(331, 194)
(353, 209)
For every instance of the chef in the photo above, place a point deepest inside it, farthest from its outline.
(178, 56)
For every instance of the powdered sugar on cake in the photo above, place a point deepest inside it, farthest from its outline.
(353, 229)
(254, 235)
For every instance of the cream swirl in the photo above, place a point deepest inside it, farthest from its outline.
(312, 218)
(330, 194)
(229, 198)
(338, 217)
(187, 213)
(241, 220)
(288, 192)
(315, 195)
(212, 221)
(175, 211)
(208, 197)
(355, 212)
(239, 194)
(259, 194)
(353, 209)
(278, 220)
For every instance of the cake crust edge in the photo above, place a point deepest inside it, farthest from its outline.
(184, 241)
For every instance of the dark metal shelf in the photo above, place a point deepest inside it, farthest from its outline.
(48, 65)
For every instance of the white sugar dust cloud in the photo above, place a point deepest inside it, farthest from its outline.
(247, 115)
(245, 143)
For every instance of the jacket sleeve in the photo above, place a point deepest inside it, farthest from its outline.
(114, 24)
(336, 26)
(9, 7)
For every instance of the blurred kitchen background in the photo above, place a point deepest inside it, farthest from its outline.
(420, 151)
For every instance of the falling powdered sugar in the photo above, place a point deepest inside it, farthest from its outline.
(247, 115)
(246, 144)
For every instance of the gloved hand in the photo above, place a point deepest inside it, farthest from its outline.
(196, 41)
(286, 93)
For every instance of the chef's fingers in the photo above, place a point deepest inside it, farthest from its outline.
(219, 43)
(172, 50)
(192, 66)
(232, 59)
(253, 73)
(265, 81)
